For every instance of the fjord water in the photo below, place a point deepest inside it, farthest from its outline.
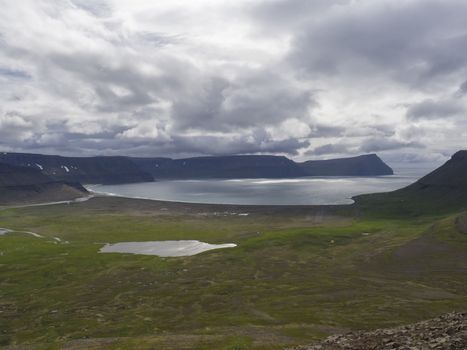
(300, 191)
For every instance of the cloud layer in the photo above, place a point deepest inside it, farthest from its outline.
(178, 78)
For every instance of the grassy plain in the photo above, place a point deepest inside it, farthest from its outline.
(297, 275)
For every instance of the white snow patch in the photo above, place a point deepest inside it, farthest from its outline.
(40, 166)
(66, 168)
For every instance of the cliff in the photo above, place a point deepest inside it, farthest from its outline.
(227, 167)
(29, 185)
(442, 190)
(87, 170)
(364, 165)
(251, 166)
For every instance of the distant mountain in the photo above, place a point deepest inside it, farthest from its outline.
(440, 191)
(226, 167)
(87, 170)
(115, 170)
(25, 185)
(364, 165)
(251, 166)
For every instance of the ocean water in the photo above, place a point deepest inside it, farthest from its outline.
(300, 191)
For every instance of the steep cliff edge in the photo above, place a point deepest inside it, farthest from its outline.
(86, 170)
(27, 185)
(364, 165)
(264, 166)
(442, 190)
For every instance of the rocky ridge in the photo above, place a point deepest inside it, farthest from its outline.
(447, 332)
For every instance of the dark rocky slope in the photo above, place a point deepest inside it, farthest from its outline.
(364, 165)
(114, 170)
(87, 170)
(440, 191)
(453, 174)
(251, 166)
(29, 185)
(442, 333)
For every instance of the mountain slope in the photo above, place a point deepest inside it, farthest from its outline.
(220, 167)
(266, 166)
(102, 170)
(29, 185)
(440, 191)
(453, 174)
(114, 170)
(364, 165)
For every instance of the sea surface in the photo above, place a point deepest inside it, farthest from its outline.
(300, 191)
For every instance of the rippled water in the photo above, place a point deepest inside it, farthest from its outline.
(311, 190)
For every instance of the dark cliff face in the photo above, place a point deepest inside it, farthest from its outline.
(453, 174)
(365, 165)
(220, 167)
(114, 170)
(441, 191)
(260, 167)
(90, 170)
(27, 185)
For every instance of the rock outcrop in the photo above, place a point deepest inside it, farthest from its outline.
(447, 332)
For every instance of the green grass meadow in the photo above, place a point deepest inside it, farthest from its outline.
(292, 279)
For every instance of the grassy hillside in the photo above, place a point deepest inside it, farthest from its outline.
(297, 275)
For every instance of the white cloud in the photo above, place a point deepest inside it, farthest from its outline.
(286, 76)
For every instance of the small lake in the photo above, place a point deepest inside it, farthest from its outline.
(164, 248)
(300, 191)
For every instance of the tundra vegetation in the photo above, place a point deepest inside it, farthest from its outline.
(297, 275)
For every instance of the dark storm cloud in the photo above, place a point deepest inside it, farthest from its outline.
(14, 73)
(462, 89)
(377, 145)
(257, 142)
(431, 109)
(287, 76)
(277, 13)
(330, 148)
(411, 41)
(259, 98)
(325, 130)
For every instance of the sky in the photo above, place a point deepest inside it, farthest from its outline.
(309, 79)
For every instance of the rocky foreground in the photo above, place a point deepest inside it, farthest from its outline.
(448, 332)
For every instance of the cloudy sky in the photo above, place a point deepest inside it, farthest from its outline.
(303, 78)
